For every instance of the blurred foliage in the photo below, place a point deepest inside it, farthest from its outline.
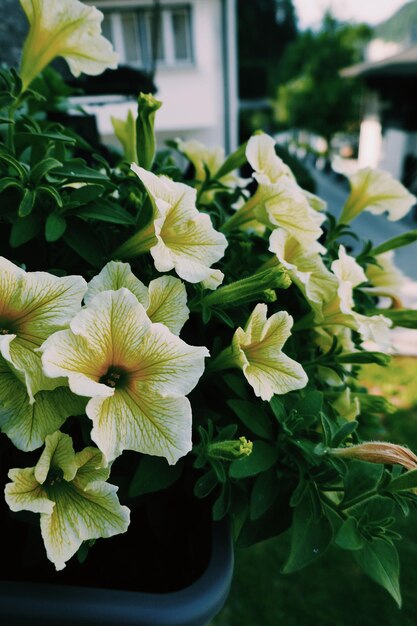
(313, 95)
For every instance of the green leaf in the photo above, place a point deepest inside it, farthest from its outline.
(42, 168)
(379, 560)
(361, 478)
(48, 135)
(85, 243)
(310, 536)
(278, 409)
(205, 485)
(52, 192)
(84, 195)
(263, 457)
(24, 229)
(105, 211)
(408, 480)
(263, 494)
(380, 358)
(222, 504)
(78, 170)
(9, 182)
(348, 536)
(343, 433)
(406, 318)
(233, 162)
(55, 227)
(10, 161)
(396, 242)
(153, 474)
(27, 202)
(253, 417)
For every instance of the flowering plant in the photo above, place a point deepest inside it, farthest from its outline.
(211, 325)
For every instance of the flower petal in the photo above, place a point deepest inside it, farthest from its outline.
(57, 454)
(25, 493)
(148, 423)
(27, 424)
(168, 303)
(114, 276)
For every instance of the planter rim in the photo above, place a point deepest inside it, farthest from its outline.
(195, 605)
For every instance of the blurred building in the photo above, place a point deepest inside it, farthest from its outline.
(186, 49)
(388, 135)
(189, 50)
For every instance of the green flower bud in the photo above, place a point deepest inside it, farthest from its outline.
(145, 135)
(230, 450)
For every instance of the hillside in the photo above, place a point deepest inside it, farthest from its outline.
(400, 27)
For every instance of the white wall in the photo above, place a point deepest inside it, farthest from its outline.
(193, 96)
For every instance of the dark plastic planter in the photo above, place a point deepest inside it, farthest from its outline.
(30, 604)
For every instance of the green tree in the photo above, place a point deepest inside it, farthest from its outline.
(313, 95)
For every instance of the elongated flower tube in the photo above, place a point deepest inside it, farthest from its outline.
(135, 373)
(64, 28)
(165, 299)
(70, 492)
(179, 237)
(257, 351)
(378, 452)
(33, 305)
(378, 192)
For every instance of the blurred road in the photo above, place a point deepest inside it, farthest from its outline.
(378, 228)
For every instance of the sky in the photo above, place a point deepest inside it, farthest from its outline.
(310, 12)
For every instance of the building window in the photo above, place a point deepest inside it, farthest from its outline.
(145, 37)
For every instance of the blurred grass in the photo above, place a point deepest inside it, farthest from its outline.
(333, 591)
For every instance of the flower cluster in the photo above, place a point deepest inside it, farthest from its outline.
(183, 315)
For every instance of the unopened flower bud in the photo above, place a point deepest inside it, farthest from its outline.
(231, 449)
(145, 134)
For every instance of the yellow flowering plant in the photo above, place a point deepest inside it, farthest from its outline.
(167, 330)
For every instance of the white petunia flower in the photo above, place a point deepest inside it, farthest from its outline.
(181, 237)
(70, 492)
(378, 192)
(32, 306)
(257, 350)
(64, 28)
(136, 374)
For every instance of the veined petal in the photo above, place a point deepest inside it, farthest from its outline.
(386, 278)
(148, 423)
(261, 155)
(347, 269)
(258, 350)
(305, 267)
(27, 424)
(378, 192)
(200, 155)
(25, 493)
(57, 454)
(81, 513)
(66, 28)
(114, 276)
(168, 303)
(186, 239)
(69, 491)
(283, 204)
